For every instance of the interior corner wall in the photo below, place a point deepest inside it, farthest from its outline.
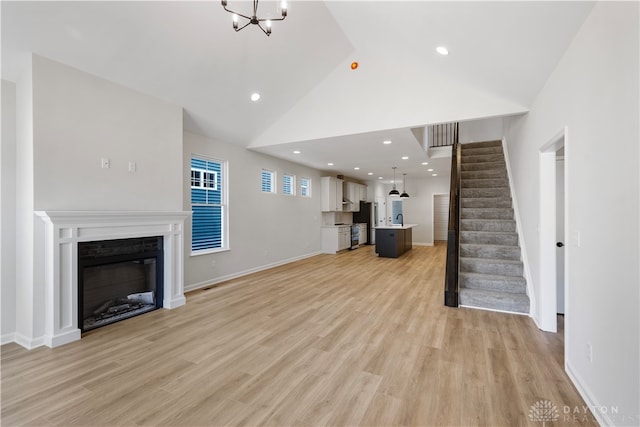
(264, 229)
(8, 214)
(80, 119)
(594, 92)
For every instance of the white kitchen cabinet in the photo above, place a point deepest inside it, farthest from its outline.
(355, 193)
(363, 233)
(334, 239)
(331, 194)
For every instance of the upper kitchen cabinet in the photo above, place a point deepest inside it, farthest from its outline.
(331, 194)
(354, 193)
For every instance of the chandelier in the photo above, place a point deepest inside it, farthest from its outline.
(253, 19)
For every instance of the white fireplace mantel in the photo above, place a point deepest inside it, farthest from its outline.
(63, 231)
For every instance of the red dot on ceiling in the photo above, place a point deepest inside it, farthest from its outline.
(354, 65)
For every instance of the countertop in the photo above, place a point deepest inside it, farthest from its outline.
(395, 227)
(342, 225)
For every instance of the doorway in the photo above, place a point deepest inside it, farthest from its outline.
(553, 296)
(440, 216)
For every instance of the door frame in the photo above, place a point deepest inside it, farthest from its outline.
(547, 301)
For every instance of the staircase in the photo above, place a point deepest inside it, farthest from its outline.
(490, 266)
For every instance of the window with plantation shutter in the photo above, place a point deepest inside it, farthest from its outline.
(305, 187)
(268, 181)
(288, 184)
(208, 203)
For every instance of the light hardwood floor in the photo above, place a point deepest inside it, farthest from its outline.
(348, 339)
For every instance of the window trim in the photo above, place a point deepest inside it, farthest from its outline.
(224, 203)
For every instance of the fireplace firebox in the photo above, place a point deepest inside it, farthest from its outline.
(118, 279)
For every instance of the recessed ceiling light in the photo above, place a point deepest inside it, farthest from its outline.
(379, 177)
(329, 164)
(442, 50)
(387, 142)
(429, 170)
(255, 96)
(425, 163)
(356, 168)
(405, 158)
(434, 174)
(296, 152)
(370, 173)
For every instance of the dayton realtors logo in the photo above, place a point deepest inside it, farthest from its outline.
(545, 411)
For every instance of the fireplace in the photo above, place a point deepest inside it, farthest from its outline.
(56, 314)
(118, 279)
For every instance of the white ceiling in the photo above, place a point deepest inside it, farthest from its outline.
(188, 54)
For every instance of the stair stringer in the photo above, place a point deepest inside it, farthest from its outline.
(523, 245)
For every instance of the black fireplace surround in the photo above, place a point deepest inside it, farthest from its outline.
(118, 279)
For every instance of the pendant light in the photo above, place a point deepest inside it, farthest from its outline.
(394, 192)
(404, 180)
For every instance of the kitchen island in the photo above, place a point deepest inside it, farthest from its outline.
(394, 240)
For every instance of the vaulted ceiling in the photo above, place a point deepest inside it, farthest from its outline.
(186, 53)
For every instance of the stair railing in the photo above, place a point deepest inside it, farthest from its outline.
(453, 233)
(442, 134)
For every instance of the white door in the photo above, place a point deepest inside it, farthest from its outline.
(440, 216)
(560, 234)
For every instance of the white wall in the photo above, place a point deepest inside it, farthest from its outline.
(79, 119)
(489, 129)
(594, 92)
(418, 208)
(8, 213)
(265, 229)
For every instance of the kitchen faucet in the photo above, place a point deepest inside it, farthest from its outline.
(401, 219)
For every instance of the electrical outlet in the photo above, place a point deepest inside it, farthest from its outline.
(589, 352)
(106, 163)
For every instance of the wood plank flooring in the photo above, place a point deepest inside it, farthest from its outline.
(334, 340)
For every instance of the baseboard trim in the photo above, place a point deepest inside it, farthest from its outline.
(602, 418)
(495, 310)
(7, 338)
(28, 343)
(422, 244)
(204, 284)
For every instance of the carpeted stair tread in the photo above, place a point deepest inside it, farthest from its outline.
(481, 144)
(482, 166)
(487, 224)
(504, 301)
(485, 192)
(492, 282)
(482, 158)
(485, 202)
(474, 151)
(489, 238)
(486, 213)
(485, 183)
(501, 267)
(490, 251)
(484, 174)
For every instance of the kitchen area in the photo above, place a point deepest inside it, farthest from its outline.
(349, 220)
